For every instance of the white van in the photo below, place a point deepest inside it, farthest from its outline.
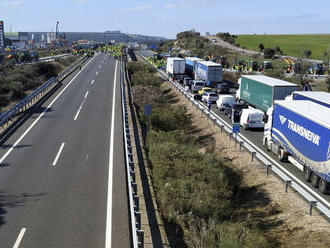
(224, 100)
(252, 118)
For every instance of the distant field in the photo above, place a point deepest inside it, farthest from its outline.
(292, 45)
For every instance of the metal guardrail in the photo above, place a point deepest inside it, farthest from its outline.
(314, 199)
(135, 214)
(32, 98)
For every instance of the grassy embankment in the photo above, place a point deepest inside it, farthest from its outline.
(17, 81)
(197, 191)
(292, 45)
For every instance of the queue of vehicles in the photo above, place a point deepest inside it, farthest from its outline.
(296, 124)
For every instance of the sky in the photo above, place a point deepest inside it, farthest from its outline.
(168, 17)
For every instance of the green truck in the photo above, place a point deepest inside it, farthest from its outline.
(260, 91)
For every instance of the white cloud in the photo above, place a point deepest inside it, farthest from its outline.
(11, 3)
(81, 1)
(182, 5)
(143, 8)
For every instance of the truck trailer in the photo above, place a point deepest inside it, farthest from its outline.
(209, 72)
(175, 66)
(299, 131)
(191, 65)
(319, 97)
(261, 91)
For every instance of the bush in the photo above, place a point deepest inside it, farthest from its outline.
(269, 53)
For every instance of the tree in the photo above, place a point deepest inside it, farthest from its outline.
(269, 53)
(261, 47)
(307, 53)
(278, 50)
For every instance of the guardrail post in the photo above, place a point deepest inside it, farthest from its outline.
(311, 205)
(240, 145)
(134, 186)
(253, 154)
(230, 135)
(268, 167)
(287, 184)
(133, 176)
(221, 128)
(138, 220)
(136, 201)
(140, 234)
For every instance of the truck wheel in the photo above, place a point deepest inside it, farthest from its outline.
(307, 174)
(323, 186)
(266, 145)
(280, 154)
(315, 180)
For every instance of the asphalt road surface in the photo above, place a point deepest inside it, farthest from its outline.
(62, 173)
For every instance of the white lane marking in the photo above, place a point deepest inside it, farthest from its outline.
(92, 82)
(97, 73)
(87, 156)
(108, 231)
(80, 107)
(19, 238)
(76, 116)
(58, 154)
(100, 66)
(41, 115)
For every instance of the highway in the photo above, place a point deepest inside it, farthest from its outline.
(62, 173)
(256, 136)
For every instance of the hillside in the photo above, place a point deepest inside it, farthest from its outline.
(292, 45)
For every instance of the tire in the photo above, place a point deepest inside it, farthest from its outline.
(280, 154)
(315, 179)
(323, 186)
(266, 145)
(307, 174)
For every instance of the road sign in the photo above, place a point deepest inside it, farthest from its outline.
(236, 128)
(147, 109)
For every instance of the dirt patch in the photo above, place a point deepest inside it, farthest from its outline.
(283, 217)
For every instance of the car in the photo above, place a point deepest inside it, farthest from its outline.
(222, 88)
(186, 81)
(252, 119)
(224, 99)
(181, 78)
(197, 85)
(235, 107)
(209, 96)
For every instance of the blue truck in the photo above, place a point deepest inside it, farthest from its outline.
(209, 72)
(191, 65)
(319, 97)
(299, 131)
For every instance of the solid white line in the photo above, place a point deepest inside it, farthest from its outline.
(100, 66)
(76, 116)
(41, 115)
(97, 73)
(86, 94)
(108, 231)
(19, 238)
(58, 154)
(92, 82)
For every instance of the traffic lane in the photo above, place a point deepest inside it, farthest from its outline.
(27, 168)
(74, 214)
(256, 137)
(11, 135)
(62, 110)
